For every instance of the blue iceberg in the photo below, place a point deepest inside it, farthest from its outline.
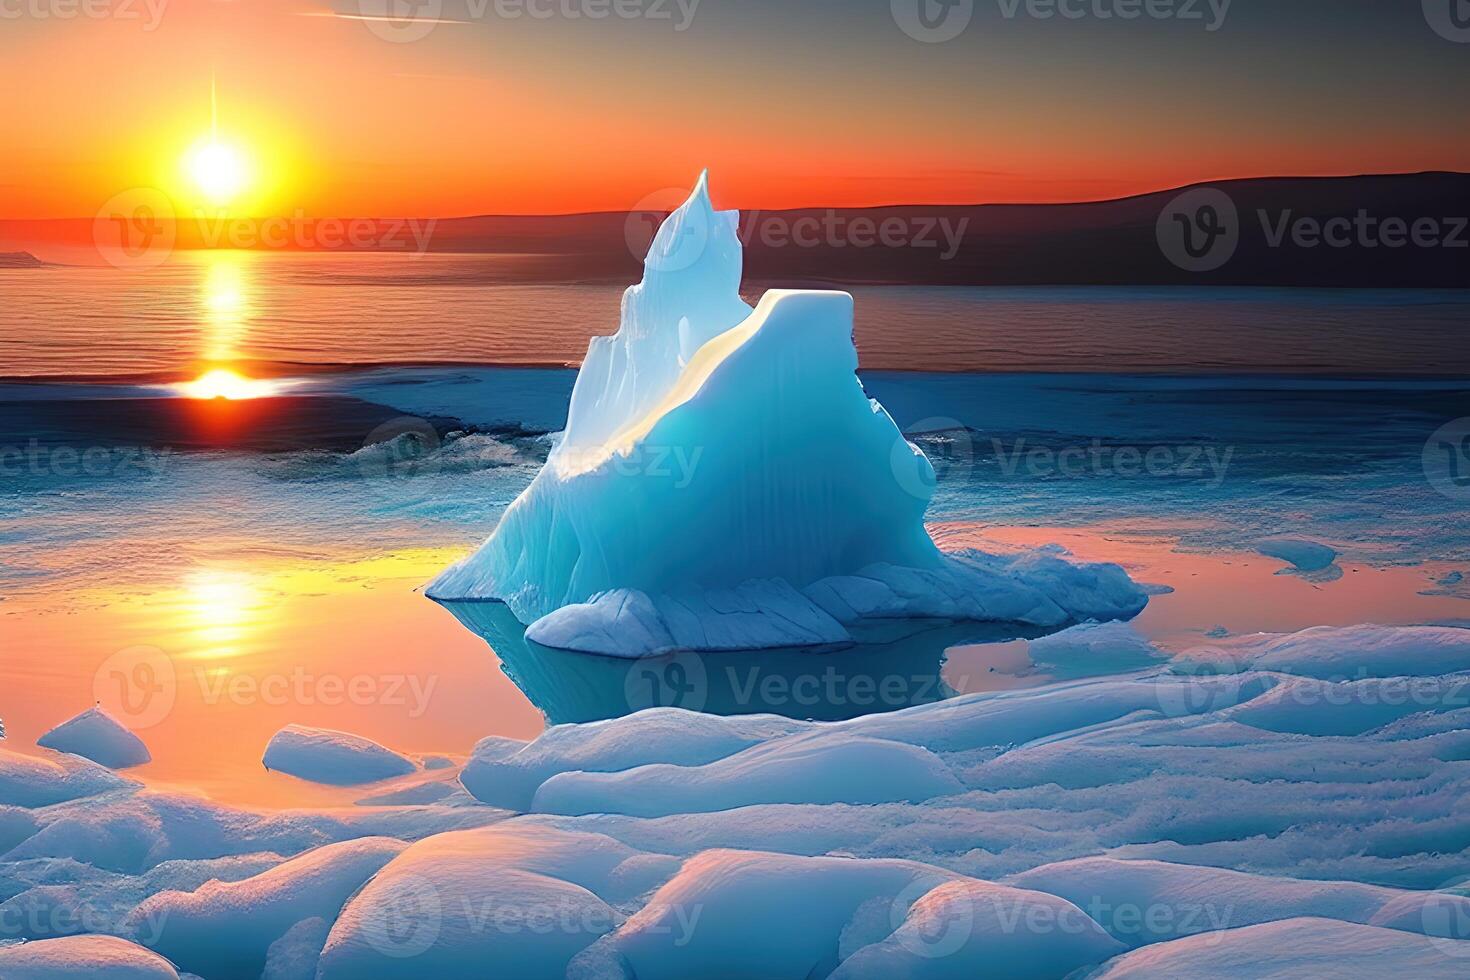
(724, 482)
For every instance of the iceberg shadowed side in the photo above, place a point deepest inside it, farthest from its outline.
(725, 483)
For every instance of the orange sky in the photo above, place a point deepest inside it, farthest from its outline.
(817, 102)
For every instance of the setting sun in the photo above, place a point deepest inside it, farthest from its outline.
(218, 170)
(226, 384)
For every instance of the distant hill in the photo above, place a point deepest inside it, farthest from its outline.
(19, 260)
(1394, 230)
(1102, 243)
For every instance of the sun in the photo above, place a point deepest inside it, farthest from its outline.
(219, 170)
(226, 384)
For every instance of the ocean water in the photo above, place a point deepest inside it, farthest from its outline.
(330, 309)
(258, 563)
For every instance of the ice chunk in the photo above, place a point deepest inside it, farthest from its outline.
(1357, 706)
(225, 929)
(1353, 652)
(797, 769)
(96, 735)
(967, 929)
(1295, 949)
(506, 773)
(32, 782)
(520, 899)
(1309, 559)
(724, 479)
(1183, 900)
(1094, 648)
(94, 957)
(739, 914)
(337, 758)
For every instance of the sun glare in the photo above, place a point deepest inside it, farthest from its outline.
(223, 383)
(219, 171)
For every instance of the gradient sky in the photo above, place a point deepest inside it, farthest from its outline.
(789, 102)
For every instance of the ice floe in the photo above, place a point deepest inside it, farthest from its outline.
(96, 735)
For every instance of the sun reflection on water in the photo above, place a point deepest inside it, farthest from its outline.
(224, 304)
(221, 611)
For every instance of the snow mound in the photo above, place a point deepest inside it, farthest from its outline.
(1295, 949)
(798, 769)
(1356, 707)
(506, 773)
(739, 914)
(321, 755)
(94, 957)
(1096, 648)
(725, 482)
(1145, 902)
(1354, 652)
(521, 899)
(967, 929)
(225, 929)
(96, 735)
(31, 782)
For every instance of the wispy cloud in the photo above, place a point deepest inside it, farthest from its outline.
(378, 18)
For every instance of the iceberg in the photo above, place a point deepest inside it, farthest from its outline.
(724, 482)
(96, 735)
(320, 755)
